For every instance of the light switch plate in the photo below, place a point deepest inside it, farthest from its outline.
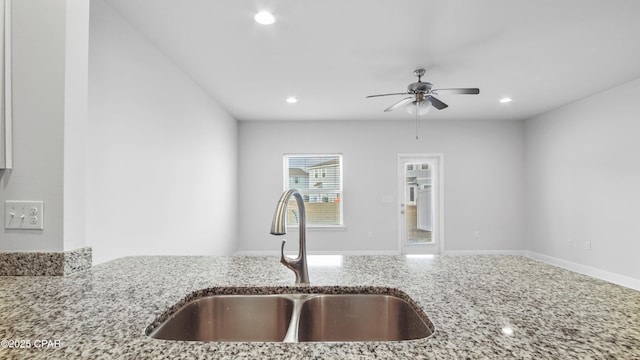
(23, 215)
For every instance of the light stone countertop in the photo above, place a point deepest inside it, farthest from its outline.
(554, 313)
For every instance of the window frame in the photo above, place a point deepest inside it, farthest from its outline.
(303, 192)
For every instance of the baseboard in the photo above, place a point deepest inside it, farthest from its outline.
(347, 253)
(486, 252)
(611, 277)
(386, 253)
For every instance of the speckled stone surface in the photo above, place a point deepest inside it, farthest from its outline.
(44, 263)
(101, 313)
(77, 260)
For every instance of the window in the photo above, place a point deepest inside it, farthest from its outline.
(318, 178)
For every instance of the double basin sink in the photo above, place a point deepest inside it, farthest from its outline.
(386, 315)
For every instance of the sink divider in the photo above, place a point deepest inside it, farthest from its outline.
(294, 323)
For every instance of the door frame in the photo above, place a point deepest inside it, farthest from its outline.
(437, 181)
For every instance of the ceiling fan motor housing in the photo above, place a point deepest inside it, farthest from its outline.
(419, 87)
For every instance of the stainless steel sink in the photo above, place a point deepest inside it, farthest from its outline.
(229, 318)
(359, 318)
(295, 317)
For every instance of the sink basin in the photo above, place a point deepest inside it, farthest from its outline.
(359, 318)
(229, 318)
(294, 317)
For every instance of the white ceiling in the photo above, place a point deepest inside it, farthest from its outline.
(332, 53)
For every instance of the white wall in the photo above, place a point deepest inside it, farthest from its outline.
(583, 181)
(483, 170)
(75, 127)
(162, 155)
(39, 49)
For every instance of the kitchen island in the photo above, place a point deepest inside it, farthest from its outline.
(482, 306)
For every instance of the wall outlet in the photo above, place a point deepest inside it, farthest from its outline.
(23, 215)
(587, 245)
(476, 234)
(370, 235)
(570, 242)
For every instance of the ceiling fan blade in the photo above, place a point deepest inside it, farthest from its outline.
(399, 104)
(471, 91)
(437, 103)
(370, 96)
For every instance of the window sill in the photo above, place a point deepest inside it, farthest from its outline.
(311, 228)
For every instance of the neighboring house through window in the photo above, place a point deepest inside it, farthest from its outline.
(319, 180)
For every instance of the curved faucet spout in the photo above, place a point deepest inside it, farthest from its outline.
(278, 227)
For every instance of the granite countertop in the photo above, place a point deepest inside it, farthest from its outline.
(102, 312)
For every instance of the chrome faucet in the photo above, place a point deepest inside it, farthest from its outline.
(278, 227)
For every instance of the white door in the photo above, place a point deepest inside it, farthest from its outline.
(420, 199)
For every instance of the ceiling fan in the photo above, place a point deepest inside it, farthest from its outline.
(422, 95)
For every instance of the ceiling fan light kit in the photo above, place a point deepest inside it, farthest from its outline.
(421, 107)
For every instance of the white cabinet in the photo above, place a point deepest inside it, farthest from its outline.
(5, 86)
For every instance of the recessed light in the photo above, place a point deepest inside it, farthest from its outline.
(505, 100)
(292, 100)
(265, 18)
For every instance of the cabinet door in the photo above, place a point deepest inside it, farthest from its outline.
(5, 85)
